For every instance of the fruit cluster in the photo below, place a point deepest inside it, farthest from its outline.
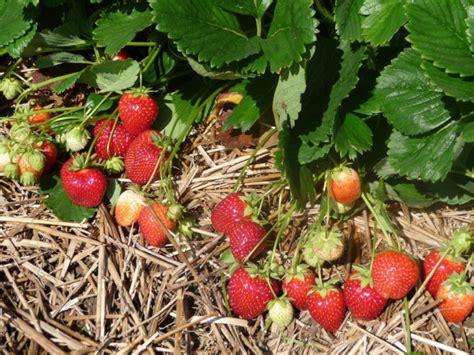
(253, 289)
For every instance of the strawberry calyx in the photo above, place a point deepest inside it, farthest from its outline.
(363, 274)
(457, 284)
(323, 287)
(114, 165)
(461, 242)
(175, 212)
(78, 163)
(12, 171)
(255, 270)
(185, 226)
(20, 132)
(297, 272)
(138, 92)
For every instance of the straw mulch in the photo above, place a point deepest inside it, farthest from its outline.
(94, 287)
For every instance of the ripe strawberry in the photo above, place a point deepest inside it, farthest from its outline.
(297, 283)
(394, 274)
(50, 152)
(122, 55)
(142, 156)
(31, 166)
(151, 228)
(280, 311)
(85, 186)
(326, 305)
(344, 185)
(458, 298)
(322, 244)
(448, 266)
(361, 299)
(117, 144)
(138, 111)
(40, 117)
(249, 295)
(230, 211)
(245, 236)
(128, 207)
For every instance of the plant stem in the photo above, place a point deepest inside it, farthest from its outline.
(326, 14)
(13, 67)
(258, 21)
(407, 324)
(377, 218)
(41, 84)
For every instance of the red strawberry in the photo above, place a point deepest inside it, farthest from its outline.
(117, 144)
(361, 299)
(50, 152)
(249, 295)
(151, 228)
(344, 186)
(458, 298)
(394, 274)
(122, 55)
(326, 305)
(40, 117)
(85, 186)
(137, 111)
(31, 166)
(297, 283)
(142, 156)
(128, 207)
(245, 236)
(448, 266)
(230, 211)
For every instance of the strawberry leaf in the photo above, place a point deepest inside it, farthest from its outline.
(438, 30)
(60, 58)
(113, 191)
(13, 21)
(246, 7)
(118, 27)
(383, 19)
(353, 137)
(59, 202)
(112, 75)
(67, 83)
(15, 49)
(348, 19)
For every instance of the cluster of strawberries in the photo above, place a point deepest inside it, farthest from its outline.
(366, 292)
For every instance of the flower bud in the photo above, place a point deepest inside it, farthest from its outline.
(10, 88)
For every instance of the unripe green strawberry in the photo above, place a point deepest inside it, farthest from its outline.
(20, 132)
(280, 312)
(323, 244)
(76, 139)
(31, 166)
(4, 153)
(10, 88)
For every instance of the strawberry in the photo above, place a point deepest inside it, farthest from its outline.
(138, 111)
(122, 55)
(322, 244)
(458, 298)
(326, 305)
(84, 185)
(4, 153)
(344, 185)
(106, 146)
(280, 311)
(249, 294)
(394, 274)
(142, 156)
(361, 298)
(245, 236)
(39, 117)
(297, 283)
(230, 211)
(151, 228)
(448, 266)
(31, 166)
(128, 207)
(50, 152)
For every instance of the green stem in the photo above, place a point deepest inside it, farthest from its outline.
(326, 14)
(13, 67)
(258, 21)
(141, 44)
(407, 324)
(377, 218)
(87, 116)
(152, 58)
(94, 141)
(42, 84)
(252, 158)
(374, 245)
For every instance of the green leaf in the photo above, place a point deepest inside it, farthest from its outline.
(60, 58)
(205, 71)
(113, 191)
(55, 38)
(288, 94)
(453, 85)
(67, 83)
(383, 19)
(409, 194)
(15, 49)
(371, 106)
(255, 8)
(316, 144)
(13, 23)
(353, 137)
(59, 202)
(119, 26)
(200, 27)
(96, 102)
(451, 192)
(467, 132)
(470, 26)
(348, 20)
(409, 100)
(428, 158)
(258, 95)
(438, 30)
(112, 75)
(292, 28)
